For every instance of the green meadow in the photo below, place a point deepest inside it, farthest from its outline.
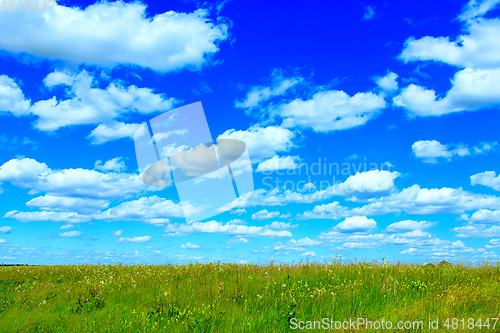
(224, 297)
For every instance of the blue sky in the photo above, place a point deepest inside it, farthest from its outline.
(372, 128)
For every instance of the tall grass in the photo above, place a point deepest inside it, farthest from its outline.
(225, 297)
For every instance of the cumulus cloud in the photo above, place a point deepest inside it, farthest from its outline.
(356, 224)
(388, 83)
(113, 131)
(265, 215)
(476, 8)
(476, 85)
(329, 110)
(361, 186)
(222, 228)
(109, 34)
(296, 245)
(117, 233)
(409, 225)
(151, 209)
(90, 105)
(70, 234)
(189, 246)
(281, 225)
(66, 217)
(472, 89)
(116, 164)
(12, 97)
(263, 142)
(141, 239)
(493, 243)
(432, 151)
(280, 84)
(411, 200)
(238, 240)
(29, 173)
(487, 178)
(61, 203)
(5, 230)
(477, 231)
(66, 226)
(482, 216)
(278, 163)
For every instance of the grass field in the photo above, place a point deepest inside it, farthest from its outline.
(221, 297)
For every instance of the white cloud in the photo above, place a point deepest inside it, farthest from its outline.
(109, 34)
(412, 200)
(226, 229)
(479, 49)
(477, 231)
(361, 186)
(279, 85)
(477, 84)
(66, 226)
(483, 216)
(476, 8)
(151, 209)
(493, 243)
(12, 98)
(280, 226)
(238, 211)
(263, 142)
(141, 239)
(185, 257)
(296, 245)
(265, 215)
(238, 240)
(117, 233)
(422, 201)
(89, 105)
(388, 83)
(356, 224)
(430, 151)
(29, 173)
(472, 89)
(278, 163)
(487, 178)
(116, 164)
(2, 241)
(66, 217)
(70, 234)
(409, 225)
(189, 246)
(329, 110)
(5, 230)
(369, 13)
(308, 254)
(114, 131)
(79, 205)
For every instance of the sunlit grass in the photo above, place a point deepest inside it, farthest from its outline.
(224, 297)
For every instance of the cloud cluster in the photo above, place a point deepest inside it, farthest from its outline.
(477, 84)
(176, 229)
(412, 200)
(321, 109)
(109, 34)
(432, 151)
(263, 142)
